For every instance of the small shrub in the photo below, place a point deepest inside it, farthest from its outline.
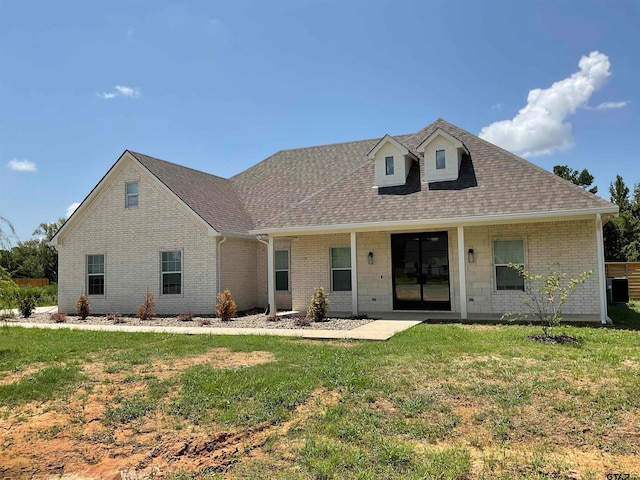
(59, 317)
(83, 306)
(185, 317)
(302, 322)
(26, 302)
(226, 307)
(115, 318)
(203, 322)
(147, 309)
(318, 306)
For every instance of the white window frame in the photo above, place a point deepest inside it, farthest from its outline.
(340, 268)
(389, 171)
(495, 265)
(170, 272)
(129, 196)
(444, 160)
(103, 274)
(288, 289)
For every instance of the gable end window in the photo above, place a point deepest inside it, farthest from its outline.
(504, 253)
(172, 273)
(95, 274)
(440, 160)
(341, 269)
(389, 166)
(282, 270)
(131, 197)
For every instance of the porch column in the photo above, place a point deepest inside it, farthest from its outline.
(462, 273)
(271, 276)
(602, 284)
(354, 275)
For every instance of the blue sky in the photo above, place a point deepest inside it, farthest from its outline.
(219, 86)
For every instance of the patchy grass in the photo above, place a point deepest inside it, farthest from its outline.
(436, 401)
(626, 316)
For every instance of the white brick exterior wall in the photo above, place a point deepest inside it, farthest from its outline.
(572, 244)
(311, 267)
(239, 262)
(131, 240)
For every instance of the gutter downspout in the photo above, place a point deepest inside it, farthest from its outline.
(219, 264)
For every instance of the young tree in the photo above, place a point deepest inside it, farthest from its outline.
(545, 297)
(583, 179)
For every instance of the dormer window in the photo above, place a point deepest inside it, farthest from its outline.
(392, 162)
(388, 161)
(440, 160)
(447, 151)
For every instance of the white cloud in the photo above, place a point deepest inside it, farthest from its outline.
(22, 165)
(120, 91)
(540, 127)
(606, 105)
(72, 208)
(127, 91)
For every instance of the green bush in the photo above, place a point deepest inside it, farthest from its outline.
(26, 302)
(8, 292)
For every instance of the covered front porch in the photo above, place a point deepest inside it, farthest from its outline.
(439, 272)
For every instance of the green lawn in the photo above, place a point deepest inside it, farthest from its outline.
(626, 316)
(436, 401)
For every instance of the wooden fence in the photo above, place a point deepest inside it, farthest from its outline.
(31, 282)
(630, 270)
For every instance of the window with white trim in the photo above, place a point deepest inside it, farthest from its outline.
(172, 273)
(389, 165)
(95, 274)
(504, 253)
(341, 269)
(282, 270)
(440, 160)
(131, 194)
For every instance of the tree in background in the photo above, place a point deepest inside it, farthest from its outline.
(622, 234)
(5, 237)
(583, 179)
(34, 258)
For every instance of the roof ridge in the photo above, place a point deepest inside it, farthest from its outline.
(178, 165)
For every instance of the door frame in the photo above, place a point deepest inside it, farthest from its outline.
(422, 304)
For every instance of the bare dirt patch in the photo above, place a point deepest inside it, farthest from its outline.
(68, 438)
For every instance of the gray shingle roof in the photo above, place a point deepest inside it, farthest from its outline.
(332, 185)
(212, 198)
(504, 184)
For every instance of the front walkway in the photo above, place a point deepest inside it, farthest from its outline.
(376, 330)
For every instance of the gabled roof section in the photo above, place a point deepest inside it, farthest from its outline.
(505, 185)
(389, 139)
(439, 131)
(212, 198)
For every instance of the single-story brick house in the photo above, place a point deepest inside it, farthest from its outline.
(425, 221)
